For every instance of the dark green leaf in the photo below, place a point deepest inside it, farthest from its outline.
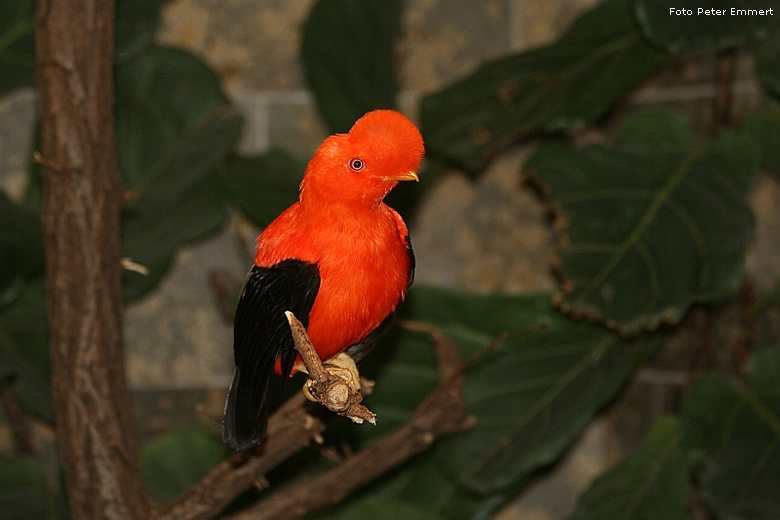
(651, 226)
(764, 130)
(768, 63)
(651, 483)
(733, 431)
(531, 398)
(559, 87)
(17, 44)
(174, 126)
(24, 349)
(691, 25)
(262, 186)
(136, 24)
(174, 461)
(21, 248)
(347, 55)
(23, 492)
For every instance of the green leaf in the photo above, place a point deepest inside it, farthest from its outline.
(23, 491)
(768, 64)
(347, 55)
(534, 392)
(531, 398)
(17, 44)
(693, 25)
(21, 248)
(650, 227)
(136, 24)
(24, 349)
(650, 483)
(732, 430)
(174, 461)
(174, 126)
(560, 87)
(764, 130)
(262, 186)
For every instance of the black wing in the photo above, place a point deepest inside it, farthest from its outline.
(363, 348)
(261, 334)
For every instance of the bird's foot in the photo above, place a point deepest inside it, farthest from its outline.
(334, 384)
(342, 367)
(340, 392)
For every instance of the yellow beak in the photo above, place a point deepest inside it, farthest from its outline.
(408, 176)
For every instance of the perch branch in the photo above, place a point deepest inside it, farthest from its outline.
(336, 388)
(443, 412)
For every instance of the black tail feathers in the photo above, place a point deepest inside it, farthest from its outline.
(244, 423)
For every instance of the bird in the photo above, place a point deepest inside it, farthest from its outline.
(339, 259)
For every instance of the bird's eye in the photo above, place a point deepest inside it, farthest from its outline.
(356, 164)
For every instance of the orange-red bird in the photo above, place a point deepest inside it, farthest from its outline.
(339, 259)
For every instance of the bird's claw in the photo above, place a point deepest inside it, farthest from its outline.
(341, 394)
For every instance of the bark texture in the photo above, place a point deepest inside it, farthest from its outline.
(82, 193)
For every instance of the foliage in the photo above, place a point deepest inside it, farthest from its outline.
(653, 192)
(649, 224)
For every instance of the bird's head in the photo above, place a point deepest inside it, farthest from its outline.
(382, 148)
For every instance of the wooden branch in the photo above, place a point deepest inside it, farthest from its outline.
(443, 412)
(82, 198)
(337, 389)
(290, 429)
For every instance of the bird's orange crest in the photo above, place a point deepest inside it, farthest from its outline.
(382, 148)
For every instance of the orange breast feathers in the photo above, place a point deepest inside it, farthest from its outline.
(363, 261)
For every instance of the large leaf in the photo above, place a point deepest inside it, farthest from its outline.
(534, 392)
(690, 25)
(559, 87)
(24, 349)
(21, 248)
(262, 186)
(651, 483)
(17, 44)
(174, 461)
(733, 431)
(531, 398)
(23, 490)
(174, 125)
(347, 55)
(651, 224)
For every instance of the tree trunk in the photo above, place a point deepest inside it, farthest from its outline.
(82, 193)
